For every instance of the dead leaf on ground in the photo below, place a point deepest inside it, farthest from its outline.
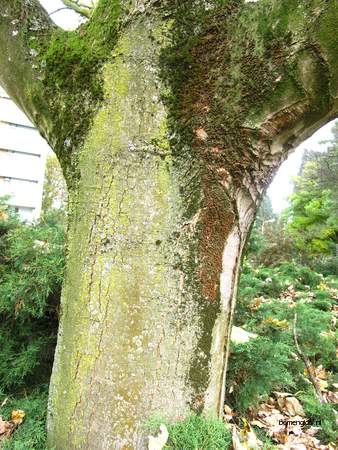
(17, 416)
(283, 420)
(331, 397)
(275, 323)
(245, 439)
(293, 407)
(201, 134)
(6, 428)
(228, 413)
(158, 442)
(255, 304)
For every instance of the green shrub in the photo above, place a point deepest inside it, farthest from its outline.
(299, 275)
(194, 433)
(322, 305)
(255, 369)
(31, 270)
(326, 265)
(324, 414)
(315, 337)
(31, 434)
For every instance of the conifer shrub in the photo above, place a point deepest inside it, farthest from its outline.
(31, 271)
(323, 413)
(194, 433)
(257, 367)
(327, 265)
(298, 275)
(31, 434)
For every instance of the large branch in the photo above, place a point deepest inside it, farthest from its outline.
(302, 73)
(269, 69)
(23, 25)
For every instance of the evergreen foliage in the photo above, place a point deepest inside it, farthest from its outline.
(268, 299)
(31, 272)
(194, 433)
(321, 413)
(248, 375)
(312, 216)
(31, 435)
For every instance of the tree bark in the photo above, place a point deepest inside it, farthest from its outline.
(22, 25)
(190, 110)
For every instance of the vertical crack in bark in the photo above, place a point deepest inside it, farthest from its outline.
(227, 280)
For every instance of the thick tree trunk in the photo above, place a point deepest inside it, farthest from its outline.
(167, 148)
(154, 245)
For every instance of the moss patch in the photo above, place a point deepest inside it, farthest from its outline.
(72, 77)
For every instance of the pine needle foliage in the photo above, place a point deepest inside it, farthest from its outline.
(31, 272)
(253, 380)
(322, 413)
(268, 300)
(194, 433)
(31, 434)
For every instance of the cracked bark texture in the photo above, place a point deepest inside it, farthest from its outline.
(189, 108)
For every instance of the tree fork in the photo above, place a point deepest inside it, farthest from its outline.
(188, 110)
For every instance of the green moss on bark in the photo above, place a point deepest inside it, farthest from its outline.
(71, 63)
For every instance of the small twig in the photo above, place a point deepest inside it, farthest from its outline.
(4, 402)
(57, 10)
(307, 362)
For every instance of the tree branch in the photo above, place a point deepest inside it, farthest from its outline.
(23, 24)
(283, 62)
(78, 6)
(307, 362)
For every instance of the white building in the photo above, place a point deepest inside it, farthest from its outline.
(22, 160)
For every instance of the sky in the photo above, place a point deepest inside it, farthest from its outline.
(65, 18)
(281, 187)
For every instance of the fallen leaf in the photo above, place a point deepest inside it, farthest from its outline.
(240, 336)
(248, 437)
(228, 413)
(201, 134)
(275, 323)
(293, 407)
(6, 428)
(259, 424)
(17, 416)
(321, 373)
(236, 443)
(332, 397)
(323, 385)
(255, 304)
(3, 215)
(322, 286)
(158, 442)
(18, 305)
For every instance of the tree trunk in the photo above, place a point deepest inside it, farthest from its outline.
(154, 244)
(169, 119)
